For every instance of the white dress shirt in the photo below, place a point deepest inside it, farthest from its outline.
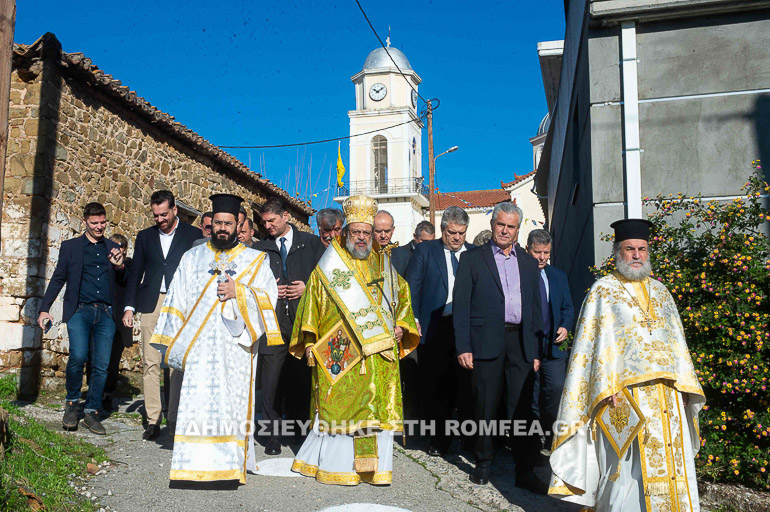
(165, 245)
(289, 236)
(450, 277)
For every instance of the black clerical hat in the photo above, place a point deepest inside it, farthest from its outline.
(627, 229)
(226, 203)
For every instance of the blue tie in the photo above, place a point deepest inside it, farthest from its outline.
(545, 307)
(284, 254)
(455, 262)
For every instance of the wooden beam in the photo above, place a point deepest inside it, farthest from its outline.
(7, 27)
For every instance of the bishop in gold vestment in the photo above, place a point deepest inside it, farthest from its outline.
(354, 322)
(627, 430)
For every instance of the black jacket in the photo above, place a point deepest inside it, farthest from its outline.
(562, 312)
(305, 251)
(479, 307)
(400, 257)
(428, 279)
(69, 271)
(150, 267)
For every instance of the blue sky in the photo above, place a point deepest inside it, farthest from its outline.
(258, 73)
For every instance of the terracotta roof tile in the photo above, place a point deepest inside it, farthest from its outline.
(80, 66)
(471, 198)
(518, 180)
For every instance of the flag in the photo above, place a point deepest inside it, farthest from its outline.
(340, 166)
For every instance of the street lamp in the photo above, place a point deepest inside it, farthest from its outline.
(431, 200)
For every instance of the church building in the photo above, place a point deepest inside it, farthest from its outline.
(386, 140)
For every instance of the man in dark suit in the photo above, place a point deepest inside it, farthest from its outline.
(157, 251)
(246, 234)
(558, 318)
(400, 255)
(89, 265)
(293, 256)
(431, 277)
(496, 319)
(329, 222)
(409, 365)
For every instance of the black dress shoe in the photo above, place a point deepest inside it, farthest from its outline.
(531, 482)
(480, 475)
(151, 432)
(273, 446)
(92, 423)
(70, 419)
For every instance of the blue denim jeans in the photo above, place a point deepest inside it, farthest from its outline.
(91, 330)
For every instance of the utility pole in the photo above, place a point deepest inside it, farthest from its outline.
(431, 167)
(7, 26)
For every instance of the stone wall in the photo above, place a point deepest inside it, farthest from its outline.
(69, 144)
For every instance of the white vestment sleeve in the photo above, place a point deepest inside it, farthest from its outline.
(246, 307)
(233, 321)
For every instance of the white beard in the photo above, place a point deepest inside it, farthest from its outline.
(633, 274)
(359, 254)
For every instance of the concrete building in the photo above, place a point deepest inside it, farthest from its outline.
(386, 140)
(77, 135)
(648, 97)
(478, 204)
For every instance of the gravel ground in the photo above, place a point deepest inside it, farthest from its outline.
(137, 479)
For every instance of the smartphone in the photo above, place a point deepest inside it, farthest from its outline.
(48, 327)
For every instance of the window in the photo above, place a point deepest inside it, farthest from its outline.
(380, 159)
(187, 213)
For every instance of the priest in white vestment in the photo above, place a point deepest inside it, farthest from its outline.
(627, 430)
(220, 302)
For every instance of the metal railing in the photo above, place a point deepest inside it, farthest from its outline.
(392, 186)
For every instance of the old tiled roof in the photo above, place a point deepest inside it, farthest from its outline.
(471, 198)
(48, 46)
(518, 180)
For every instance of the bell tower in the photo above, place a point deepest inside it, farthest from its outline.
(386, 140)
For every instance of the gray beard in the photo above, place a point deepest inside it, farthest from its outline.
(633, 274)
(359, 254)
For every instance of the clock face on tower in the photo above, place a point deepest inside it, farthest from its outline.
(378, 91)
(414, 98)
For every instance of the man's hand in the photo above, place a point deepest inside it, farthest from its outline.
(44, 318)
(536, 364)
(466, 360)
(128, 318)
(561, 335)
(399, 333)
(614, 399)
(116, 258)
(419, 327)
(295, 290)
(281, 289)
(226, 290)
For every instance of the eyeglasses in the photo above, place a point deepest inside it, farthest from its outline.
(360, 233)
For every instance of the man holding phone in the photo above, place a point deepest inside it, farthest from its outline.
(89, 265)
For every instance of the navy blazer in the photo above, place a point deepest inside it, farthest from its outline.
(479, 305)
(400, 257)
(69, 271)
(561, 310)
(150, 267)
(428, 281)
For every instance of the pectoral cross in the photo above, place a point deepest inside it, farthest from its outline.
(223, 267)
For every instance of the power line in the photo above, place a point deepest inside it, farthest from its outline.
(389, 55)
(294, 144)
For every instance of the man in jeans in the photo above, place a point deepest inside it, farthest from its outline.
(89, 265)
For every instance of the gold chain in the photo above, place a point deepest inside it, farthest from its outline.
(646, 314)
